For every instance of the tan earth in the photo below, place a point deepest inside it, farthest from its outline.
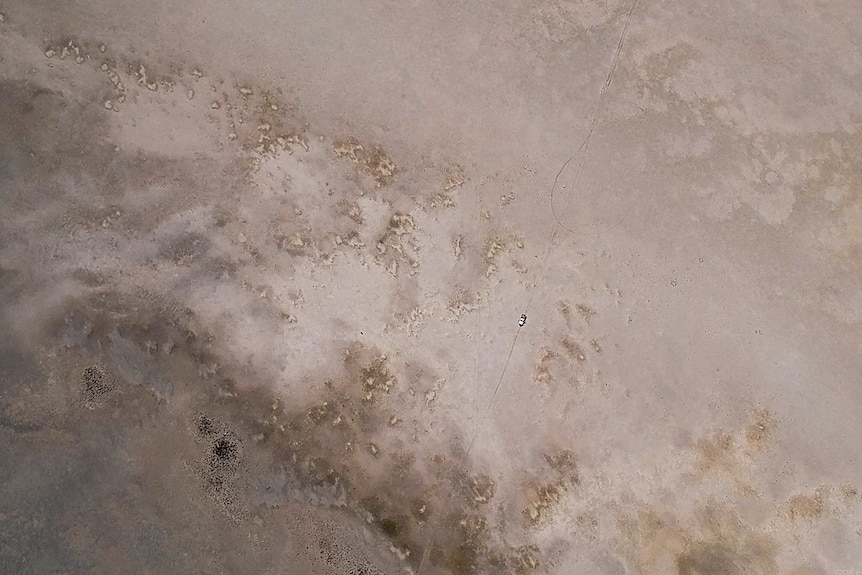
(262, 265)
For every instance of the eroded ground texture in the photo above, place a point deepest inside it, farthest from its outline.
(262, 263)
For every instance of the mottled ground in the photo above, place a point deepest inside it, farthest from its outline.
(262, 263)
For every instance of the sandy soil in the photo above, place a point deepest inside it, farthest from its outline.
(262, 264)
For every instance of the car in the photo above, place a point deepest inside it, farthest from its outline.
(522, 320)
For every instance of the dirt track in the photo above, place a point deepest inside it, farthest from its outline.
(261, 270)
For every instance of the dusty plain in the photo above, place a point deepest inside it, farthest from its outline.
(262, 264)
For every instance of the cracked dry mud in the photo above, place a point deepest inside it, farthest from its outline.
(261, 271)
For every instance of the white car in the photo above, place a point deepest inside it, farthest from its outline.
(522, 320)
